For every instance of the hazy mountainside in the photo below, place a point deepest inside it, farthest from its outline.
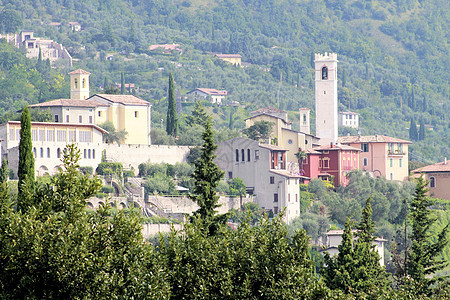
(392, 65)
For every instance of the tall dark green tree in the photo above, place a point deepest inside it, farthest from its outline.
(198, 115)
(413, 134)
(122, 83)
(172, 118)
(422, 130)
(206, 177)
(422, 255)
(26, 162)
(4, 171)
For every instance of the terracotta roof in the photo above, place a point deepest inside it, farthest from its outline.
(286, 173)
(312, 151)
(79, 71)
(211, 91)
(370, 139)
(228, 55)
(272, 147)
(69, 102)
(336, 147)
(61, 125)
(268, 109)
(442, 166)
(304, 108)
(122, 99)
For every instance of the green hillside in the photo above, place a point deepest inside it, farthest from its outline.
(392, 65)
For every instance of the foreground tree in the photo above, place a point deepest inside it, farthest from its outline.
(422, 256)
(172, 119)
(198, 115)
(26, 162)
(206, 177)
(259, 131)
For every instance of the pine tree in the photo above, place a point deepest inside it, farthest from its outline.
(122, 83)
(198, 115)
(422, 130)
(422, 255)
(26, 162)
(206, 177)
(413, 135)
(172, 119)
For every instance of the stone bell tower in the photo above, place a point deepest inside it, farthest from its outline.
(326, 97)
(79, 84)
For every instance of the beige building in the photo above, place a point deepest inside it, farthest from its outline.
(284, 136)
(235, 59)
(125, 112)
(349, 119)
(49, 141)
(438, 177)
(216, 96)
(381, 155)
(272, 180)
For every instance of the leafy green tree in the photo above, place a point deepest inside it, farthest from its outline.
(422, 256)
(159, 183)
(26, 162)
(413, 135)
(237, 188)
(259, 131)
(206, 177)
(10, 21)
(172, 118)
(113, 136)
(198, 115)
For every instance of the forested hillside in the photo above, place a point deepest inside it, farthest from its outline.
(393, 66)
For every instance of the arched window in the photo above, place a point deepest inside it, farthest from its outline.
(237, 155)
(76, 83)
(58, 153)
(432, 182)
(242, 155)
(83, 83)
(48, 152)
(34, 152)
(248, 154)
(304, 118)
(324, 73)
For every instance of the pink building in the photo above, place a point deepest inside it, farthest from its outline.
(331, 163)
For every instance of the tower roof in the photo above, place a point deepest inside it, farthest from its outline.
(79, 71)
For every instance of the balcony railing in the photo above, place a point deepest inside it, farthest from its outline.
(396, 152)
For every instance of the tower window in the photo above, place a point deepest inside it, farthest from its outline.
(76, 83)
(242, 155)
(324, 73)
(237, 155)
(83, 83)
(136, 114)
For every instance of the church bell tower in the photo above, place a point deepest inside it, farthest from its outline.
(326, 97)
(79, 84)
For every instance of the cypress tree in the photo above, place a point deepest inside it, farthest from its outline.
(206, 177)
(4, 171)
(422, 130)
(422, 255)
(26, 162)
(413, 135)
(122, 83)
(172, 120)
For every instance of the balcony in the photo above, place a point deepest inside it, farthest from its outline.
(396, 153)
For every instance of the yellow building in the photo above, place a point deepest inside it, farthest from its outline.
(125, 112)
(381, 155)
(438, 177)
(235, 59)
(282, 135)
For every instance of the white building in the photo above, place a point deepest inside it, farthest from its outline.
(334, 239)
(349, 119)
(326, 97)
(216, 96)
(266, 173)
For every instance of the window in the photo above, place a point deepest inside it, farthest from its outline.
(34, 152)
(83, 83)
(400, 147)
(42, 135)
(289, 142)
(400, 162)
(136, 114)
(89, 153)
(242, 155)
(275, 210)
(58, 153)
(50, 135)
(326, 163)
(61, 135)
(365, 163)
(80, 119)
(320, 163)
(48, 152)
(67, 119)
(256, 154)
(324, 73)
(56, 118)
(275, 197)
(230, 175)
(296, 197)
(237, 155)
(248, 154)
(34, 134)
(289, 197)
(72, 136)
(365, 147)
(99, 113)
(85, 136)
(432, 182)
(76, 83)
(90, 119)
(391, 147)
(84, 153)
(391, 176)
(326, 151)
(272, 179)
(391, 162)
(41, 152)
(93, 153)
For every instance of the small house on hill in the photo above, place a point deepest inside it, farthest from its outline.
(166, 48)
(215, 95)
(235, 59)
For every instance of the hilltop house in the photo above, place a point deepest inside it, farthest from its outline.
(125, 112)
(166, 48)
(349, 119)
(438, 177)
(268, 176)
(216, 96)
(381, 155)
(235, 59)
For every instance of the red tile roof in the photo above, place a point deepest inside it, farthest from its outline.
(211, 92)
(370, 139)
(122, 99)
(68, 102)
(443, 166)
(336, 147)
(228, 55)
(79, 71)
